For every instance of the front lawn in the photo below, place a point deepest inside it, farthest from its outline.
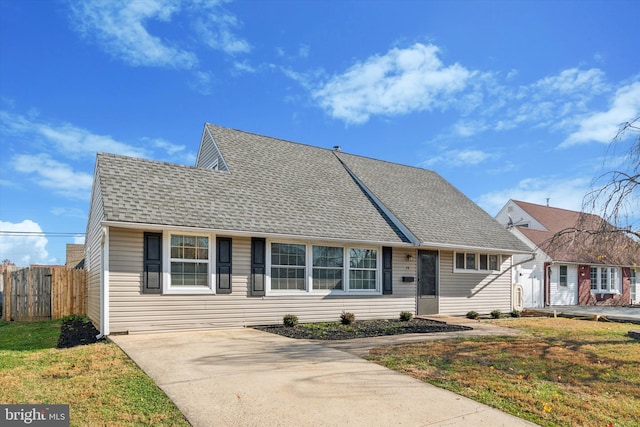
(561, 372)
(99, 382)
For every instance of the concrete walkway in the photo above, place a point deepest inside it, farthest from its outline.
(245, 377)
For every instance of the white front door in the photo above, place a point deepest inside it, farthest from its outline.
(564, 285)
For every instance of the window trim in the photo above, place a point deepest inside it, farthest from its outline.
(477, 261)
(613, 276)
(346, 290)
(167, 287)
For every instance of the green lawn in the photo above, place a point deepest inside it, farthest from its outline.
(99, 382)
(561, 372)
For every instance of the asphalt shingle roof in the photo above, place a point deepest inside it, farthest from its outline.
(581, 246)
(283, 188)
(430, 207)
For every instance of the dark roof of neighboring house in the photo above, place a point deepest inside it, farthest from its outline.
(580, 246)
(277, 187)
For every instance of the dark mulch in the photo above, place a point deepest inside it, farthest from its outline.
(361, 329)
(77, 330)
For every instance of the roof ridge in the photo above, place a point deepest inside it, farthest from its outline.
(318, 147)
(520, 202)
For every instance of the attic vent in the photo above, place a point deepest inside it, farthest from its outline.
(337, 148)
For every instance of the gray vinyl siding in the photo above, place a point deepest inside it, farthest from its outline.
(209, 156)
(481, 292)
(131, 311)
(93, 253)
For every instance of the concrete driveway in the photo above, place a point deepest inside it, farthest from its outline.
(624, 314)
(245, 377)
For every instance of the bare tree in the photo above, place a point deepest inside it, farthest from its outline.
(614, 194)
(608, 229)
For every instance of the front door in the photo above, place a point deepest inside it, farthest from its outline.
(428, 282)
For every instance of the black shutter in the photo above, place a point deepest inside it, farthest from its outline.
(387, 276)
(152, 274)
(258, 266)
(223, 265)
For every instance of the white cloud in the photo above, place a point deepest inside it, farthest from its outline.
(54, 175)
(216, 26)
(566, 194)
(68, 139)
(119, 26)
(69, 212)
(24, 244)
(573, 80)
(458, 158)
(74, 142)
(122, 29)
(400, 82)
(603, 126)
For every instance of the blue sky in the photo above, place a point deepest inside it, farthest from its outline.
(505, 99)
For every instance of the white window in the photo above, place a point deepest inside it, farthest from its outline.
(634, 283)
(328, 267)
(476, 262)
(298, 267)
(288, 267)
(563, 281)
(363, 269)
(605, 280)
(189, 262)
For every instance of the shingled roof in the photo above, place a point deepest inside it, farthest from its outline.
(568, 236)
(277, 187)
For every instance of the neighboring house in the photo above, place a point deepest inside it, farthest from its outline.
(573, 268)
(75, 255)
(262, 227)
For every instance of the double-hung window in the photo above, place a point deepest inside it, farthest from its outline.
(328, 268)
(363, 268)
(288, 267)
(563, 276)
(318, 268)
(189, 259)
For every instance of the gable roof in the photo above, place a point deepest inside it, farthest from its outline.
(277, 187)
(578, 246)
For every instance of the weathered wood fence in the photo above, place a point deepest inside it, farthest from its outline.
(44, 292)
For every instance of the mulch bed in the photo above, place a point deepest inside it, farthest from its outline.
(77, 331)
(361, 329)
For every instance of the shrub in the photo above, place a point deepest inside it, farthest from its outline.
(496, 314)
(290, 320)
(472, 315)
(347, 318)
(516, 313)
(405, 316)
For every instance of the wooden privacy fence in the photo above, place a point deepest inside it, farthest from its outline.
(44, 292)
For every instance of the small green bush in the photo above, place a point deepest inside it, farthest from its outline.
(405, 316)
(472, 315)
(516, 313)
(347, 318)
(290, 320)
(496, 314)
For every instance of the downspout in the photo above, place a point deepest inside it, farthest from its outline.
(104, 284)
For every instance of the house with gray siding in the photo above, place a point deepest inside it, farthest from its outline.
(261, 227)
